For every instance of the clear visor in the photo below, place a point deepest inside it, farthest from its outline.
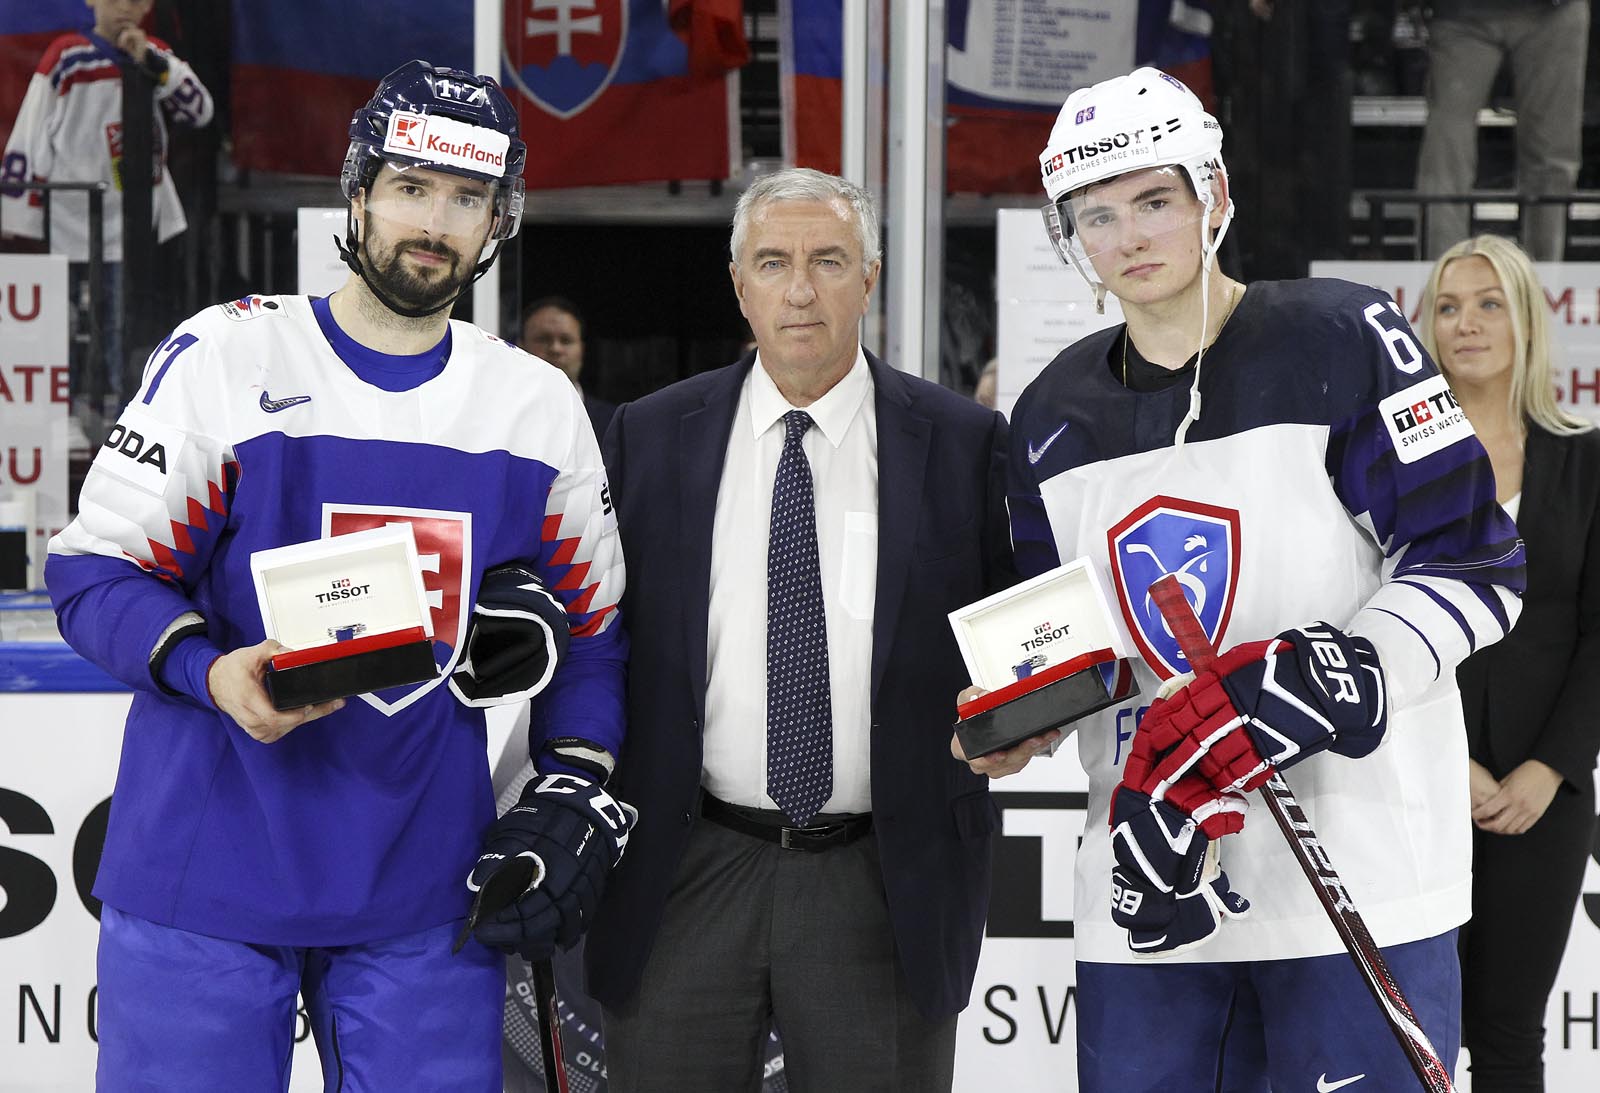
(432, 201)
(1125, 212)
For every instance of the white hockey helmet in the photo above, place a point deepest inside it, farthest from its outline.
(1129, 123)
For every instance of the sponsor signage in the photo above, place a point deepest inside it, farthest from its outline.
(34, 397)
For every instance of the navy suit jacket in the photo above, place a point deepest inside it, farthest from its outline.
(943, 542)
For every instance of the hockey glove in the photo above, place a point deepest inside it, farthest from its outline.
(1215, 812)
(565, 835)
(1267, 705)
(1166, 888)
(517, 636)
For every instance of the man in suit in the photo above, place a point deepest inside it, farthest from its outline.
(800, 523)
(552, 329)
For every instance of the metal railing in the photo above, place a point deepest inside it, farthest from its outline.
(1492, 209)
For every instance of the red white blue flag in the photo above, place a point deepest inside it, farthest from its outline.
(1007, 76)
(606, 90)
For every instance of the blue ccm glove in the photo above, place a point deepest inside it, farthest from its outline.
(517, 636)
(1266, 705)
(1166, 888)
(557, 845)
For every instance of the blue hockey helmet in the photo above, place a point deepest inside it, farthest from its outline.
(444, 119)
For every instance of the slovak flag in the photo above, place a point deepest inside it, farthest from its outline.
(608, 91)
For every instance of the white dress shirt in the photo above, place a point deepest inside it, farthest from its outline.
(842, 448)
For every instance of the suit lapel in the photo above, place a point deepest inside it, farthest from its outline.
(903, 440)
(703, 443)
(1542, 471)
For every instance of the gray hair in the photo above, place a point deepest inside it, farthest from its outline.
(805, 184)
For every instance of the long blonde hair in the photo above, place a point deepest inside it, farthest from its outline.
(1533, 396)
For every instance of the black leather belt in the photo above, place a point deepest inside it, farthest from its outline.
(774, 826)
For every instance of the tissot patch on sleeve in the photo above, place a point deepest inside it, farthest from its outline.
(142, 451)
(1423, 419)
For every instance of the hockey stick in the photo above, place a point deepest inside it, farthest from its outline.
(500, 890)
(1291, 819)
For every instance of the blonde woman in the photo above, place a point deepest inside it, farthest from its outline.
(1532, 701)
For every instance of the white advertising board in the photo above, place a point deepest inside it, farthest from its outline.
(58, 757)
(1572, 292)
(34, 394)
(319, 269)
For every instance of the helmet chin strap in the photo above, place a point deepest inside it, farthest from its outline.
(1208, 250)
(348, 248)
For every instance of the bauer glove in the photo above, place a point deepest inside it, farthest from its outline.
(1265, 706)
(1167, 889)
(557, 845)
(515, 639)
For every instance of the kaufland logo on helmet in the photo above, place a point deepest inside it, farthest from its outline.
(405, 132)
(447, 142)
(437, 148)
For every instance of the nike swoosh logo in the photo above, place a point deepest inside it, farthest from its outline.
(1325, 1086)
(1036, 454)
(272, 406)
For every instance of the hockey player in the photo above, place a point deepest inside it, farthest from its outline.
(69, 129)
(1287, 450)
(254, 853)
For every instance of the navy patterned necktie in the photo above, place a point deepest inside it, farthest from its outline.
(799, 702)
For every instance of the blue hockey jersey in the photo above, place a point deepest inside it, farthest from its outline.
(1330, 476)
(250, 431)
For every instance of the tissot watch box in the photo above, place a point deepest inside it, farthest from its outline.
(352, 612)
(1047, 652)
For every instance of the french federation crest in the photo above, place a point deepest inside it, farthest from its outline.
(444, 547)
(1198, 544)
(562, 54)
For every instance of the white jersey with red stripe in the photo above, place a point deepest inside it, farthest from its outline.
(69, 129)
(250, 431)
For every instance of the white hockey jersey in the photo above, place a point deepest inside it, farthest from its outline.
(1332, 477)
(69, 129)
(254, 428)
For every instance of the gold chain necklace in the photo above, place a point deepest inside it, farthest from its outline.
(1233, 301)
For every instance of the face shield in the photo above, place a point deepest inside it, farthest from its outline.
(1123, 212)
(435, 202)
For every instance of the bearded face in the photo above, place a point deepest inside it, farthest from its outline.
(422, 233)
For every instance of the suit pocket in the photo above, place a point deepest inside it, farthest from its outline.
(976, 815)
(858, 566)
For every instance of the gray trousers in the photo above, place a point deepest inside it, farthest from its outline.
(1548, 48)
(757, 936)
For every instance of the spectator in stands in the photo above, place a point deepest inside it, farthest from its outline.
(1547, 43)
(69, 129)
(1530, 699)
(552, 328)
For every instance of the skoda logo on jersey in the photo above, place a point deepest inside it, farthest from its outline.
(1198, 544)
(444, 547)
(566, 51)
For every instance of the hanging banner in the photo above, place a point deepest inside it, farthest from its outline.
(1010, 64)
(605, 90)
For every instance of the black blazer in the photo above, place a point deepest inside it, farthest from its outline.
(942, 543)
(1536, 693)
